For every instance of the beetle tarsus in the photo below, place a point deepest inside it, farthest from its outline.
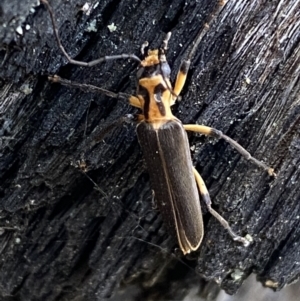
(242, 240)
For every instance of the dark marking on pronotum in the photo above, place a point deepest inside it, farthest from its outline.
(143, 92)
(158, 93)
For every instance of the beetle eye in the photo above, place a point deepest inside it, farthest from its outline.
(158, 91)
(165, 69)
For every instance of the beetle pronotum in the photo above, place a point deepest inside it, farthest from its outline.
(164, 141)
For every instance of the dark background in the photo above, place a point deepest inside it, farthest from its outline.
(64, 237)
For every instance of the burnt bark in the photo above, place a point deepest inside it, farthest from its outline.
(76, 217)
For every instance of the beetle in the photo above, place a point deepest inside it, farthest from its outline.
(164, 141)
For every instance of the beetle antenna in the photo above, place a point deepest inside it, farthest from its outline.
(80, 63)
(205, 28)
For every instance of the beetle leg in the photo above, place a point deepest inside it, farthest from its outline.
(205, 196)
(205, 130)
(99, 134)
(180, 79)
(153, 200)
(135, 102)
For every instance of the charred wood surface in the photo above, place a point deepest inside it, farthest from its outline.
(77, 218)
